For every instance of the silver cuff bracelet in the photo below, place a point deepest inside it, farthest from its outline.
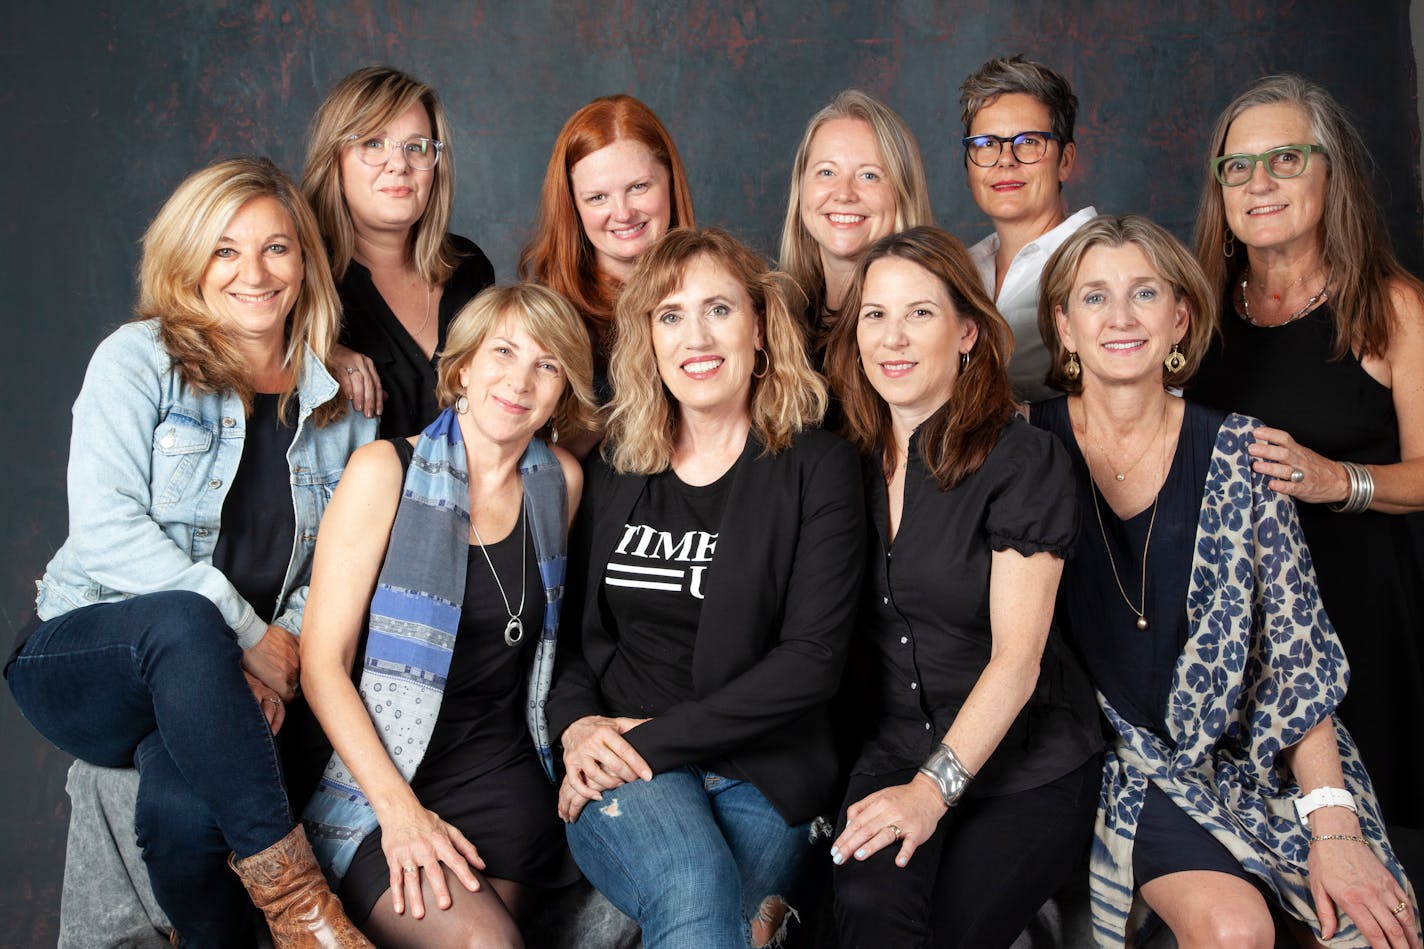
(948, 774)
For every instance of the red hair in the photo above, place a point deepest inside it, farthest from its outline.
(560, 256)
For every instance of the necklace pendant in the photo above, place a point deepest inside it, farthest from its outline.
(1141, 624)
(1120, 477)
(514, 631)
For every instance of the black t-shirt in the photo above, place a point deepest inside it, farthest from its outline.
(259, 523)
(653, 586)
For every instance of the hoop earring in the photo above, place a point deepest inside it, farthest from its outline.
(462, 405)
(1175, 361)
(1071, 368)
(1228, 244)
(762, 374)
(963, 361)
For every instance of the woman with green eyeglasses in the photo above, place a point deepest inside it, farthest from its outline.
(1322, 338)
(380, 175)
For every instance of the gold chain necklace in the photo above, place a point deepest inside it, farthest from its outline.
(1120, 475)
(1140, 610)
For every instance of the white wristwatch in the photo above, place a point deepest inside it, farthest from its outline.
(1323, 797)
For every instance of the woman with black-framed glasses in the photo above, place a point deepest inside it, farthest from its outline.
(1018, 151)
(380, 175)
(1322, 338)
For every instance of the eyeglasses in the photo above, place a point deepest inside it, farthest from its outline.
(1287, 161)
(1026, 147)
(422, 154)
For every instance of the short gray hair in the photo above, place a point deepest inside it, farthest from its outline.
(1008, 74)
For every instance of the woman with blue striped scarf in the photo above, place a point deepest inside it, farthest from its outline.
(456, 539)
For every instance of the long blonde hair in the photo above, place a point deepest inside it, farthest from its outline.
(177, 250)
(643, 417)
(365, 102)
(1355, 247)
(900, 156)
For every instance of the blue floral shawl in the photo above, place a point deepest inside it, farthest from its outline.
(415, 612)
(1261, 667)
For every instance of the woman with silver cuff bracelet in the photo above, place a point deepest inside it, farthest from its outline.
(1231, 794)
(971, 802)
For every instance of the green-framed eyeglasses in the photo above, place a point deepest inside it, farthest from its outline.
(1285, 161)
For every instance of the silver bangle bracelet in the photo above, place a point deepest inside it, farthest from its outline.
(1362, 490)
(948, 773)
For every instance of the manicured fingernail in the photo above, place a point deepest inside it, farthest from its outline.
(900, 861)
(835, 851)
(860, 854)
(837, 859)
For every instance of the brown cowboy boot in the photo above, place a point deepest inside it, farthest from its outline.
(285, 882)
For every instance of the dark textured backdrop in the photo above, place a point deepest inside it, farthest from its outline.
(107, 106)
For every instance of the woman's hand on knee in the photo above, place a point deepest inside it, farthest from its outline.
(275, 659)
(906, 814)
(1346, 875)
(598, 758)
(419, 843)
(272, 705)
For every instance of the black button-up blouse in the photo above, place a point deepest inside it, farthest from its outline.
(924, 627)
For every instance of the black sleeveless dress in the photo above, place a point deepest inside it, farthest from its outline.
(1368, 565)
(480, 772)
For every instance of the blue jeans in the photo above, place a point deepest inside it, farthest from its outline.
(690, 855)
(156, 682)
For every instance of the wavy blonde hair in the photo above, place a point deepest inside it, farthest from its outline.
(362, 104)
(900, 156)
(642, 417)
(549, 319)
(177, 250)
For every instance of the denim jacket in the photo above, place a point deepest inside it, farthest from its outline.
(150, 463)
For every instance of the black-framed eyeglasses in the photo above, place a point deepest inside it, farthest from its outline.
(1285, 161)
(1026, 147)
(421, 154)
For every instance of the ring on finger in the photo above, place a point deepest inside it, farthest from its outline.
(894, 830)
(1297, 476)
(1403, 905)
(412, 869)
(350, 370)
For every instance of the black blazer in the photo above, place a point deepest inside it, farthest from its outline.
(780, 607)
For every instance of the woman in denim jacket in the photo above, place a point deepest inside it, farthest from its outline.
(207, 438)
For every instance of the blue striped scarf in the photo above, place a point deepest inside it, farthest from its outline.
(415, 613)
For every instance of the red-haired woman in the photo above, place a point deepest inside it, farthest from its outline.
(614, 185)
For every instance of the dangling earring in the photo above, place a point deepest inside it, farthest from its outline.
(1071, 369)
(462, 405)
(1175, 361)
(1228, 244)
(963, 361)
(762, 374)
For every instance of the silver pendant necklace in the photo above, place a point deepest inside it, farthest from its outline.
(514, 629)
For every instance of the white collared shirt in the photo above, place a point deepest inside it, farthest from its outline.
(1018, 302)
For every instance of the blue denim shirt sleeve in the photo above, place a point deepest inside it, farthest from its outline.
(113, 533)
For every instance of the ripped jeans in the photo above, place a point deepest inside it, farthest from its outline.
(690, 855)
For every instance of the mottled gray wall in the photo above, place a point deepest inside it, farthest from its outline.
(107, 106)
